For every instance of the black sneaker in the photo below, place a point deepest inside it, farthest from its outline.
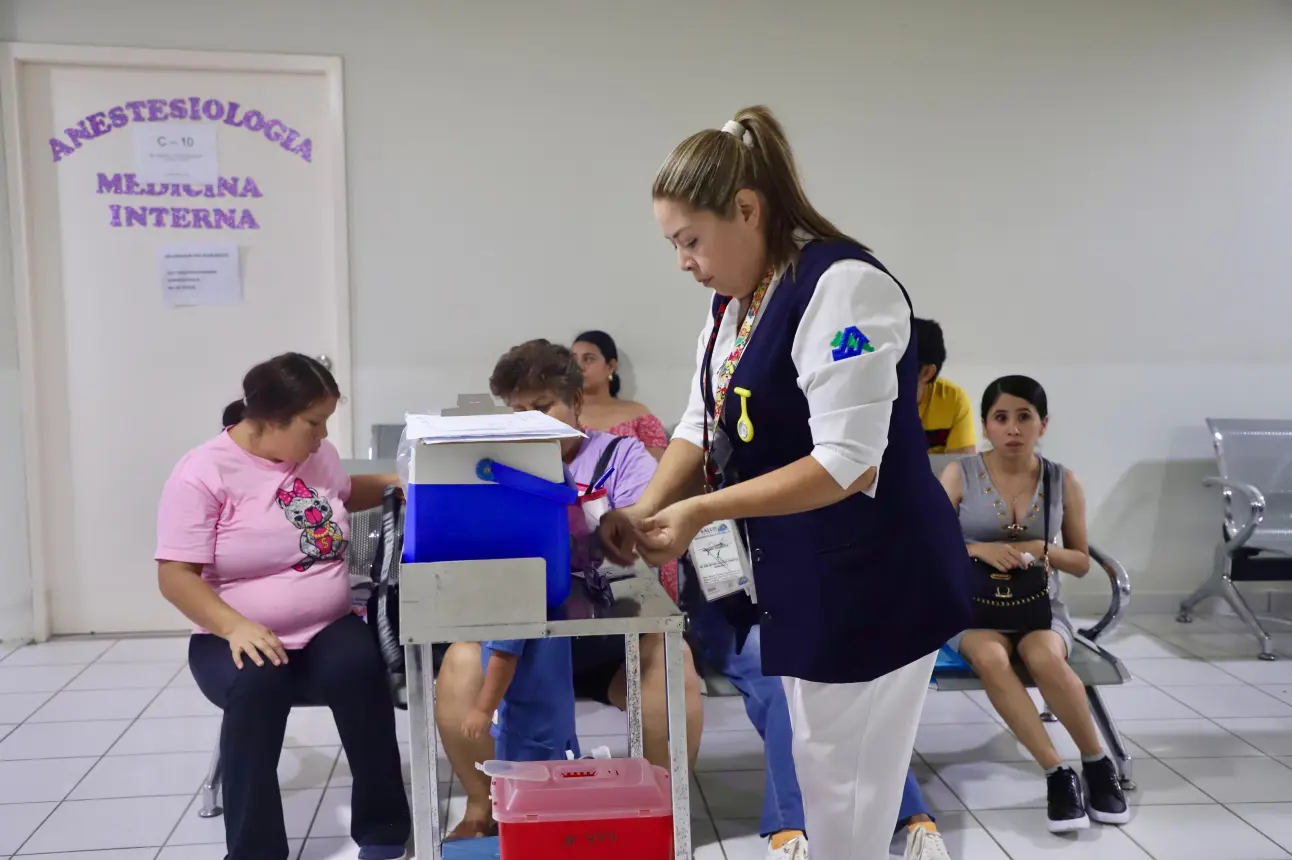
(1066, 801)
(1106, 802)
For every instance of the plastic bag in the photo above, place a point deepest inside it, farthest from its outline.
(404, 458)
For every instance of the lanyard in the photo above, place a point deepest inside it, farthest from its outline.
(715, 400)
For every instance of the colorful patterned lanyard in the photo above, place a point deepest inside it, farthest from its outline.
(728, 368)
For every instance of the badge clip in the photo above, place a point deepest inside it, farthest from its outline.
(744, 427)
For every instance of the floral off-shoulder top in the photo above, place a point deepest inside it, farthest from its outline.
(649, 430)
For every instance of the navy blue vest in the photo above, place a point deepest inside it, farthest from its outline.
(860, 588)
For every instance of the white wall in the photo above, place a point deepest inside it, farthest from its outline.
(15, 578)
(1093, 193)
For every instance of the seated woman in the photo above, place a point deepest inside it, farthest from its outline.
(252, 533)
(598, 358)
(545, 376)
(999, 496)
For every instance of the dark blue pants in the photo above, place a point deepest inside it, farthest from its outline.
(764, 702)
(340, 668)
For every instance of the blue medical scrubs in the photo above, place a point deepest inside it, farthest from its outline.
(536, 717)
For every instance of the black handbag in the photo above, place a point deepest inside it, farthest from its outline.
(1016, 600)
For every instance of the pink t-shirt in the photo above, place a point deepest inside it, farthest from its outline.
(271, 537)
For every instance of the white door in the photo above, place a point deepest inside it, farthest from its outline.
(117, 383)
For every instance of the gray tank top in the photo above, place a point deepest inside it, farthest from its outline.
(985, 517)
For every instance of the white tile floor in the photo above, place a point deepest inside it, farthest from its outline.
(103, 746)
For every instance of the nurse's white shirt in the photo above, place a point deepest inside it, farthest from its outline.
(850, 400)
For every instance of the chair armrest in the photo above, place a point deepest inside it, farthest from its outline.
(1121, 592)
(1256, 508)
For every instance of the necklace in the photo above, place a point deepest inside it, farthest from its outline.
(1006, 503)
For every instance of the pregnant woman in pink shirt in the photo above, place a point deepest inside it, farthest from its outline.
(252, 533)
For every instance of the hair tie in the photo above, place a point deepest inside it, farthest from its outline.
(737, 130)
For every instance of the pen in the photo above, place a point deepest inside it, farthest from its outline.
(603, 480)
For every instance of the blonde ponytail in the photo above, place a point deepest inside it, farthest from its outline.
(706, 170)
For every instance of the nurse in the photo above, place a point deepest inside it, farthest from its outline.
(803, 425)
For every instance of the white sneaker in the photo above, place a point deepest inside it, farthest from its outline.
(795, 849)
(924, 844)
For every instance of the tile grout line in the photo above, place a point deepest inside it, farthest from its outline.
(100, 758)
(59, 804)
(1277, 844)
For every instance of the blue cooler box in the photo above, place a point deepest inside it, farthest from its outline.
(506, 514)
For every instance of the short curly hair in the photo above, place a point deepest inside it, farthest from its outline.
(538, 365)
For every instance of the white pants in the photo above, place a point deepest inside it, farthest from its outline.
(852, 748)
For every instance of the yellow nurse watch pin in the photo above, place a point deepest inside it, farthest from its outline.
(744, 427)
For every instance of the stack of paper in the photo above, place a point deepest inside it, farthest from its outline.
(508, 427)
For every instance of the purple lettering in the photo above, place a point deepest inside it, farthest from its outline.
(274, 130)
(228, 187)
(153, 190)
(115, 209)
(118, 117)
(156, 110)
(179, 218)
(178, 110)
(253, 121)
(305, 150)
(230, 118)
(194, 109)
(175, 190)
(110, 186)
(225, 218)
(208, 191)
(250, 189)
(191, 191)
(292, 136)
(247, 221)
(99, 123)
(136, 216)
(202, 218)
(159, 215)
(132, 185)
(213, 109)
(79, 133)
(59, 149)
(137, 108)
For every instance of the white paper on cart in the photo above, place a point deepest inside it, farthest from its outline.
(506, 427)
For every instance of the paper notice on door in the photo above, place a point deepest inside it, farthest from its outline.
(181, 153)
(193, 275)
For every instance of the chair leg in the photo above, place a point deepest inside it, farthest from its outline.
(1235, 599)
(211, 788)
(1112, 737)
(1210, 588)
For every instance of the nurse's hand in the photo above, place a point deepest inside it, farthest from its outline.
(476, 725)
(618, 533)
(668, 534)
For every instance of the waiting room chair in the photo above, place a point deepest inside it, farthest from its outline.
(384, 444)
(1254, 458)
(1093, 664)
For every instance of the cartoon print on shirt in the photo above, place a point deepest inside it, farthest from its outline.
(321, 539)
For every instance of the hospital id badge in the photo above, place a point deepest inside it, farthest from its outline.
(720, 560)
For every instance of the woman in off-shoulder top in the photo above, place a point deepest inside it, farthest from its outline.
(598, 357)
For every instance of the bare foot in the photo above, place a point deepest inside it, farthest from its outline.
(474, 826)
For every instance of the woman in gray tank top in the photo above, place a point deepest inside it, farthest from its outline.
(1002, 504)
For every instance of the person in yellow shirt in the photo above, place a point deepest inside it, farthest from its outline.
(945, 408)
